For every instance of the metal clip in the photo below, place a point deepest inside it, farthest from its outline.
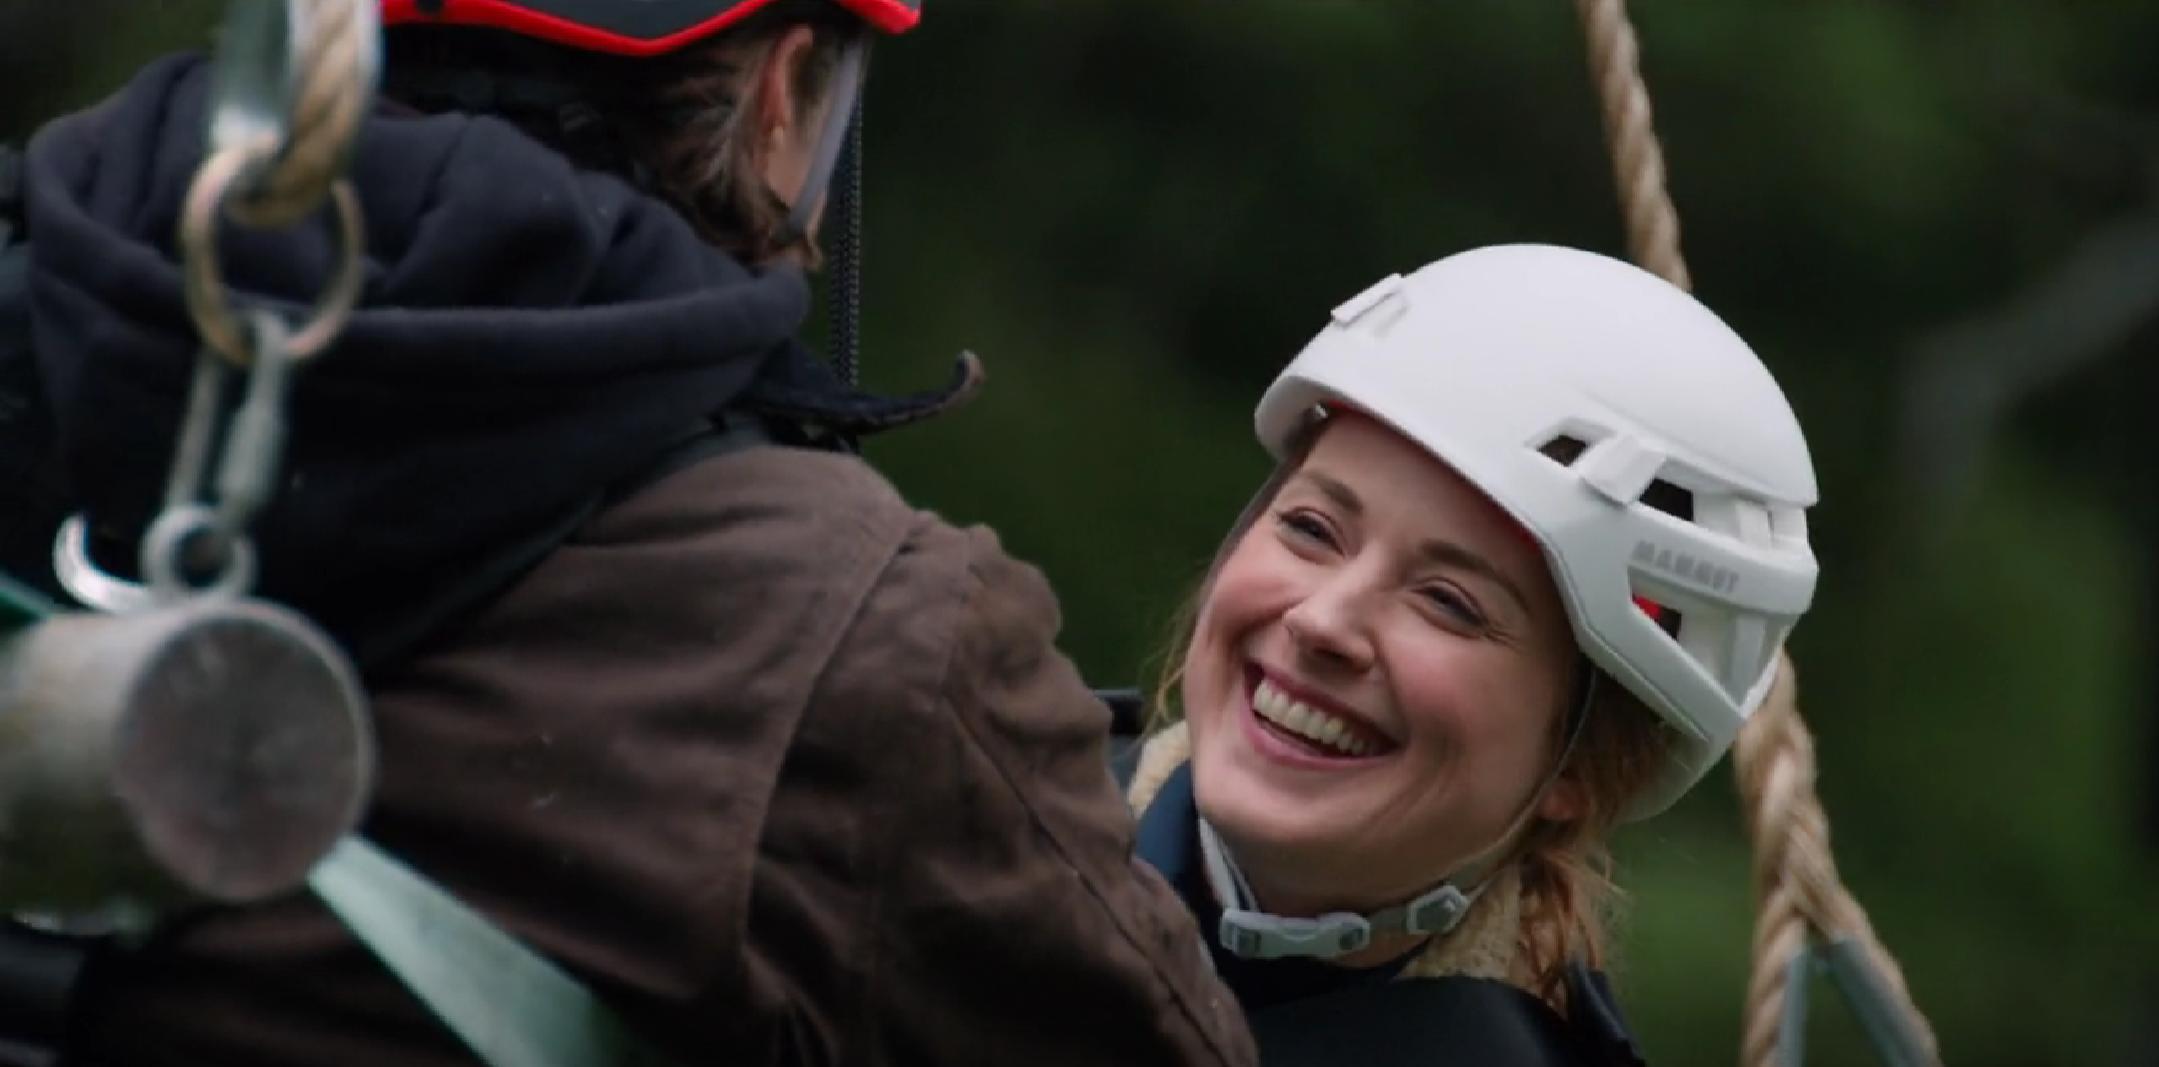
(255, 442)
(1879, 1011)
(1863, 990)
(193, 534)
(1792, 1029)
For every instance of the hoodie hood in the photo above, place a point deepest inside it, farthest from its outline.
(529, 335)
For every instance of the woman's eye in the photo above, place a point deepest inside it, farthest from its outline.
(1455, 606)
(1305, 526)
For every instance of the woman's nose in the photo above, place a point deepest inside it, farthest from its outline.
(1331, 624)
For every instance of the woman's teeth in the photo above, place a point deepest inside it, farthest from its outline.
(1327, 731)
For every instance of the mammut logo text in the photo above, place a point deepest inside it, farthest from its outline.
(1680, 565)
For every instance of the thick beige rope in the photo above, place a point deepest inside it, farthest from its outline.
(271, 182)
(331, 98)
(1637, 157)
(1795, 877)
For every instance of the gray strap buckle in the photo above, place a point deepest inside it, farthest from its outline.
(1256, 936)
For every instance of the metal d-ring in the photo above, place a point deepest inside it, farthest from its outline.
(211, 304)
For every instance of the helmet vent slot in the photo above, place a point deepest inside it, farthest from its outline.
(1564, 449)
(1669, 499)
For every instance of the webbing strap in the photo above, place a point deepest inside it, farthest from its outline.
(510, 1005)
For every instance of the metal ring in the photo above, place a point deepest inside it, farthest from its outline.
(208, 300)
(91, 587)
(167, 540)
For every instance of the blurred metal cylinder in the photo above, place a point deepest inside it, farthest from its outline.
(211, 750)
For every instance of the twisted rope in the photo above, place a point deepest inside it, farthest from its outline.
(1637, 157)
(1795, 877)
(328, 104)
(1795, 874)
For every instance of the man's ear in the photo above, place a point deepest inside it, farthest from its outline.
(778, 108)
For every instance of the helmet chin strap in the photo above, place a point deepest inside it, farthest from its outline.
(838, 159)
(846, 97)
(1252, 934)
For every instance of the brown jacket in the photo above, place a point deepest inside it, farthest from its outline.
(790, 772)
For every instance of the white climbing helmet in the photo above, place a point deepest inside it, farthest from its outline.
(1489, 357)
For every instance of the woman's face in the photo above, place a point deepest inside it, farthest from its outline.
(1374, 678)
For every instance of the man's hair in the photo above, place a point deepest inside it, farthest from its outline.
(676, 125)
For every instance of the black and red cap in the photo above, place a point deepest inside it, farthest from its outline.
(624, 27)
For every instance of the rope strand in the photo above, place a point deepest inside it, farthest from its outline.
(1797, 889)
(1637, 158)
(331, 100)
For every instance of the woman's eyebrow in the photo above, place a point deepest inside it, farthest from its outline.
(1335, 490)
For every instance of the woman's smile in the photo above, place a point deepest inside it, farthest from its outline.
(1294, 725)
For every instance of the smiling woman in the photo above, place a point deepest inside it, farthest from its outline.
(1431, 669)
(1421, 624)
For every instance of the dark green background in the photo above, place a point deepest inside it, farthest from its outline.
(1936, 221)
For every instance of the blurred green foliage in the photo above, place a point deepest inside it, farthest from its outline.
(1136, 213)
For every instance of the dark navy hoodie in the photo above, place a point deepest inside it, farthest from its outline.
(530, 334)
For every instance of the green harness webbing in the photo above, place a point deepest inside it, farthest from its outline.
(512, 1006)
(21, 605)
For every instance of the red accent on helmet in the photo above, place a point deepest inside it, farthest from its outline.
(889, 16)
